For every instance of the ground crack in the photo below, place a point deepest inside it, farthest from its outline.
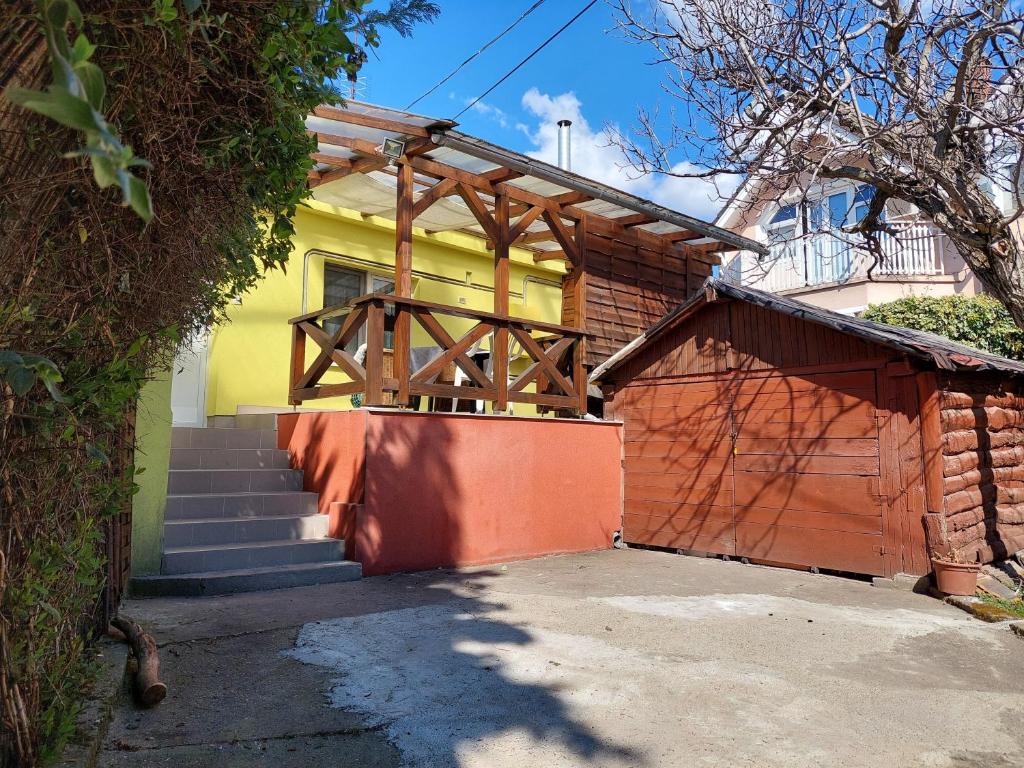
(122, 746)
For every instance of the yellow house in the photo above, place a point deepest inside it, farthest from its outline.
(340, 254)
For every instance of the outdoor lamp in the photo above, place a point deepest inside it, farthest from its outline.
(392, 149)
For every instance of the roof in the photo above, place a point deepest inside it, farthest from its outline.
(345, 175)
(926, 347)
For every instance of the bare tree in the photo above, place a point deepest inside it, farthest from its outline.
(922, 99)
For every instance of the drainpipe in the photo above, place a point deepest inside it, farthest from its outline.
(564, 145)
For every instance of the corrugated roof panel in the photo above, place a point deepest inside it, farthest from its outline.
(539, 186)
(338, 128)
(661, 228)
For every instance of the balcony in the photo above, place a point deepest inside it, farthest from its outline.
(912, 249)
(451, 365)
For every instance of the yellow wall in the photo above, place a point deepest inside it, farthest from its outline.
(249, 355)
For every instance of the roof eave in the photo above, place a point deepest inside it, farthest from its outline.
(550, 173)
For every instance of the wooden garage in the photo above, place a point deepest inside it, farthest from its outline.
(758, 426)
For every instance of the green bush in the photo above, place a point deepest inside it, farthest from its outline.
(152, 155)
(976, 321)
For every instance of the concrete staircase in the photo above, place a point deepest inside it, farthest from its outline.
(237, 519)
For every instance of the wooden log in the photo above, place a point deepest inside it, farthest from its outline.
(974, 477)
(998, 457)
(981, 418)
(969, 498)
(148, 688)
(956, 400)
(962, 440)
(936, 533)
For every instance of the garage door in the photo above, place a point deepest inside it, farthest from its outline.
(679, 466)
(775, 468)
(807, 471)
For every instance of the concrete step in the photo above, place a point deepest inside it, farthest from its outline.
(212, 437)
(195, 481)
(245, 579)
(255, 421)
(184, 533)
(229, 458)
(202, 506)
(229, 557)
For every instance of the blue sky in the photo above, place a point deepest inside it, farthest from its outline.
(590, 74)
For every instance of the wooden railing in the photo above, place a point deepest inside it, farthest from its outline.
(555, 367)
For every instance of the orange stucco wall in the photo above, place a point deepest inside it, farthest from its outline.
(453, 489)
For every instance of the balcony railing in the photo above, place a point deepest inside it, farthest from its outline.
(914, 248)
(394, 376)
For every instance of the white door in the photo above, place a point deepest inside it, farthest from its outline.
(188, 385)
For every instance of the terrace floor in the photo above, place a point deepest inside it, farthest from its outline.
(622, 658)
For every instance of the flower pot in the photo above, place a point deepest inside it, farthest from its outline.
(956, 578)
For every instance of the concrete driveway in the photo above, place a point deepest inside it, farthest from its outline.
(625, 658)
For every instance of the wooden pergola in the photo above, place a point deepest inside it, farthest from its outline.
(640, 256)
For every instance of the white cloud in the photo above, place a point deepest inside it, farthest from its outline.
(489, 111)
(594, 156)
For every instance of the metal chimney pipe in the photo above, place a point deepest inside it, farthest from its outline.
(564, 145)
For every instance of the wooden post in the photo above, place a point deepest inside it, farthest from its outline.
(375, 353)
(936, 534)
(499, 348)
(298, 361)
(403, 281)
(579, 299)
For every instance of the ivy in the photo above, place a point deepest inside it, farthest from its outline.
(75, 100)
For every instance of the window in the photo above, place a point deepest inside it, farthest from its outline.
(862, 201)
(342, 284)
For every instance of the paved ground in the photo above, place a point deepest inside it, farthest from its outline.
(611, 659)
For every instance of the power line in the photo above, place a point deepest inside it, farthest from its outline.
(455, 71)
(533, 53)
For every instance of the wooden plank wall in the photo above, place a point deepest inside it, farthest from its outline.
(631, 285)
(735, 335)
(828, 470)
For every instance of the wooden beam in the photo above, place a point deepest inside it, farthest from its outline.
(381, 123)
(454, 351)
(332, 160)
(331, 350)
(562, 235)
(502, 174)
(403, 280)
(686, 234)
(363, 165)
(540, 256)
(579, 300)
(443, 188)
(524, 221)
(536, 237)
(444, 171)
(571, 198)
(561, 205)
(374, 362)
(365, 147)
(633, 220)
(499, 351)
(479, 211)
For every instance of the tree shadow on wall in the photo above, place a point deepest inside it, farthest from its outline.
(438, 665)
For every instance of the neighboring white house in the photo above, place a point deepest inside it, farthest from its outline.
(812, 260)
